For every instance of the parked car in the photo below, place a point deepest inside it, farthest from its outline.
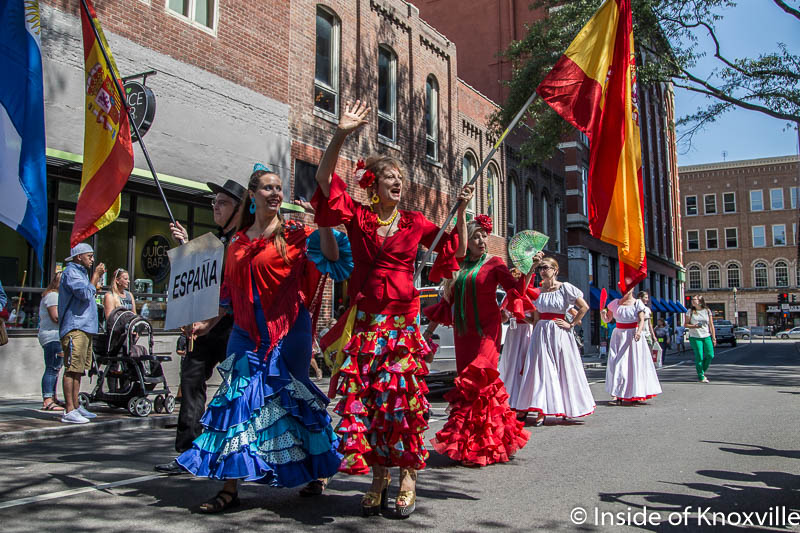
(793, 333)
(742, 333)
(724, 331)
(443, 367)
(761, 331)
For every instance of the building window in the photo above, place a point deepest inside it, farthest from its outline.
(794, 232)
(387, 94)
(779, 235)
(557, 226)
(491, 196)
(432, 118)
(759, 238)
(729, 202)
(691, 206)
(695, 282)
(305, 181)
(693, 239)
(199, 12)
(760, 275)
(781, 274)
(756, 200)
(530, 201)
(545, 227)
(713, 277)
(584, 191)
(712, 240)
(733, 276)
(710, 204)
(326, 70)
(797, 274)
(731, 237)
(776, 199)
(793, 197)
(512, 205)
(468, 168)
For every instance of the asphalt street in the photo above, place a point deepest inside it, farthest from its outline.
(729, 447)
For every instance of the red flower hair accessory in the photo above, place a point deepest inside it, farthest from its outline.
(485, 221)
(365, 177)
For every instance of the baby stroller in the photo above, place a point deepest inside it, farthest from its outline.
(128, 373)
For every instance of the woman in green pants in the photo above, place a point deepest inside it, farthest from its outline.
(702, 337)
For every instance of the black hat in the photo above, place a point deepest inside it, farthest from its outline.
(231, 188)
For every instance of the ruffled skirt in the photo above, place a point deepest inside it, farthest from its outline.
(630, 372)
(267, 422)
(382, 388)
(482, 429)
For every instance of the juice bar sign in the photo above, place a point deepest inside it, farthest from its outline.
(155, 261)
(143, 103)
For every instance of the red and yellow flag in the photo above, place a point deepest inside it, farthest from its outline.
(593, 87)
(107, 150)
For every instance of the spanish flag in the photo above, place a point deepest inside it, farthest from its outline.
(107, 150)
(593, 87)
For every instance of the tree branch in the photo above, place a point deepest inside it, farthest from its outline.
(789, 9)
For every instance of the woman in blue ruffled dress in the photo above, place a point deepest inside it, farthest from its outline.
(268, 422)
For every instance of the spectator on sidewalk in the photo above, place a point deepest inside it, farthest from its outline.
(680, 336)
(119, 295)
(662, 337)
(50, 341)
(77, 313)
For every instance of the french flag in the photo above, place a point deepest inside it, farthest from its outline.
(23, 177)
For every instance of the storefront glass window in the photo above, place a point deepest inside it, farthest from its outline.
(112, 248)
(149, 205)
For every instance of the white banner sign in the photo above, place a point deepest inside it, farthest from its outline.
(194, 281)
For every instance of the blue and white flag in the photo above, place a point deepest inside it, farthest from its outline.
(23, 177)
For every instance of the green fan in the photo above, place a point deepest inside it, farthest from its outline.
(523, 246)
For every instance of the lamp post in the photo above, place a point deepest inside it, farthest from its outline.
(735, 310)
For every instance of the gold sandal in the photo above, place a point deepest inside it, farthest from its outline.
(372, 503)
(406, 501)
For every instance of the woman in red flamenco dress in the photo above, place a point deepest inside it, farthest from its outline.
(481, 429)
(382, 364)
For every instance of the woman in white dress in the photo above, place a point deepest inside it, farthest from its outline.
(630, 373)
(552, 381)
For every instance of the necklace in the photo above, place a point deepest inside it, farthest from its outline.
(388, 221)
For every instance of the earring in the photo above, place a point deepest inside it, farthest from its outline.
(375, 198)
(253, 206)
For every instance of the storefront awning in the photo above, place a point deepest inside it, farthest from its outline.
(594, 297)
(655, 303)
(681, 307)
(672, 306)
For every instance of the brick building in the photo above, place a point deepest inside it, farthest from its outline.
(552, 197)
(740, 238)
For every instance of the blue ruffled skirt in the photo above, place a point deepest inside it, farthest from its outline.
(268, 422)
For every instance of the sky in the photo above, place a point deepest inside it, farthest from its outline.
(753, 26)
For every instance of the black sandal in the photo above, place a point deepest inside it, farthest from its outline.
(522, 415)
(222, 501)
(314, 488)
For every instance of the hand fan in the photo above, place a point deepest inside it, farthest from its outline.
(523, 246)
(603, 298)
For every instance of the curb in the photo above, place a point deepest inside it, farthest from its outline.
(31, 435)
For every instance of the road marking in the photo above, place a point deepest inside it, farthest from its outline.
(72, 492)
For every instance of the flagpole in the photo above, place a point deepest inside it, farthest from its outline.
(128, 110)
(472, 181)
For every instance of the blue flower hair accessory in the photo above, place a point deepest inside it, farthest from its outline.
(339, 270)
(259, 166)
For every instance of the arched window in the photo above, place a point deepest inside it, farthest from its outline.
(695, 280)
(760, 271)
(468, 168)
(781, 274)
(734, 280)
(432, 118)
(530, 202)
(387, 93)
(512, 205)
(326, 65)
(545, 225)
(492, 180)
(713, 277)
(557, 226)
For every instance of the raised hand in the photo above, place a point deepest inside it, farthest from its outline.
(465, 196)
(354, 117)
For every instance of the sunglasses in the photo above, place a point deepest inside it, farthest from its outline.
(544, 267)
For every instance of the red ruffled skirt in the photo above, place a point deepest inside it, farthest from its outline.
(382, 388)
(482, 429)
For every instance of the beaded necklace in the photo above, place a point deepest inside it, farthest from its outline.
(386, 222)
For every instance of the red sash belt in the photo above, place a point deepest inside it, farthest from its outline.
(626, 325)
(551, 316)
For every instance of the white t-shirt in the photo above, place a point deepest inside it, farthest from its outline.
(701, 318)
(48, 330)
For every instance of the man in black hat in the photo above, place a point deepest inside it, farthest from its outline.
(211, 341)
